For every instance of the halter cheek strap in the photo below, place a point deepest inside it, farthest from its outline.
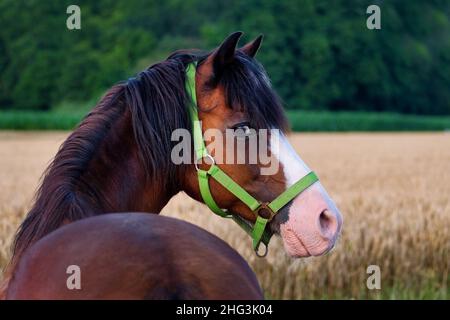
(264, 212)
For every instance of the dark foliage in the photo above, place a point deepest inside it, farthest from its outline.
(319, 54)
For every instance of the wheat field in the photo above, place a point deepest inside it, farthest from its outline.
(392, 189)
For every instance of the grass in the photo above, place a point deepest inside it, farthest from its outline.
(65, 118)
(308, 121)
(34, 120)
(392, 189)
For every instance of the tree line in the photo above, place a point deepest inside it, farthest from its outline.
(319, 54)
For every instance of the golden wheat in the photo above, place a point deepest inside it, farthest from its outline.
(393, 190)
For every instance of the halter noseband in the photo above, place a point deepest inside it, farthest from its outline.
(264, 212)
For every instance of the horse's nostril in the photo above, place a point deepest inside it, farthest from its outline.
(327, 223)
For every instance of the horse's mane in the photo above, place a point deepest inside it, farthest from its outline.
(248, 88)
(156, 101)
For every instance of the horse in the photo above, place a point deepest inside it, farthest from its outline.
(118, 159)
(152, 258)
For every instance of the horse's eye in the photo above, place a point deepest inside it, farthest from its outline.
(242, 129)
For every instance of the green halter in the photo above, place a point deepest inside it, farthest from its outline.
(264, 212)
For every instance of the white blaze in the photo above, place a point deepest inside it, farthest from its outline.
(294, 167)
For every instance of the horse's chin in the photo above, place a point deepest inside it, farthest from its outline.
(295, 247)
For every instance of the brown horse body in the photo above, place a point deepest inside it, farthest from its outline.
(133, 256)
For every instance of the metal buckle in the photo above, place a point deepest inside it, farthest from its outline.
(266, 250)
(264, 207)
(213, 162)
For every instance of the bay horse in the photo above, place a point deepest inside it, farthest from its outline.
(119, 158)
(133, 256)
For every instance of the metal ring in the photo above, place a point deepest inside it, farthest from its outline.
(213, 162)
(265, 251)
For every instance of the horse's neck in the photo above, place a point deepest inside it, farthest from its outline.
(93, 173)
(118, 176)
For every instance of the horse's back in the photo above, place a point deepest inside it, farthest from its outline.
(132, 256)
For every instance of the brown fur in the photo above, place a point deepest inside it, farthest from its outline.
(134, 256)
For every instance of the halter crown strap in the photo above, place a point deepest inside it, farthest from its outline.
(258, 231)
(199, 144)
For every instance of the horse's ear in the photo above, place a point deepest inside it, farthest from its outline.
(252, 47)
(225, 53)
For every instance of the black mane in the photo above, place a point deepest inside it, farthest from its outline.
(248, 89)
